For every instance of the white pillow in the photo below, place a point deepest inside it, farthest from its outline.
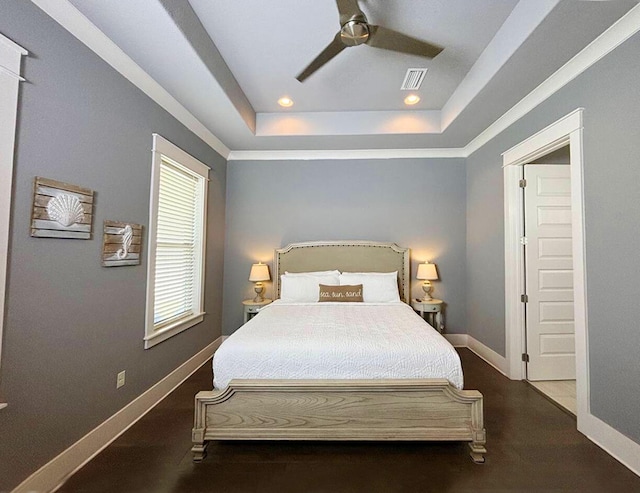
(377, 287)
(304, 288)
(318, 273)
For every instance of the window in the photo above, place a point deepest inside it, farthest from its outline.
(177, 225)
(10, 58)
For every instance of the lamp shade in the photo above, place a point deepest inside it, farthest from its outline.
(427, 271)
(259, 272)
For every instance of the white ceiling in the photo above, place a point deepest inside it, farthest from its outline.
(268, 50)
(228, 61)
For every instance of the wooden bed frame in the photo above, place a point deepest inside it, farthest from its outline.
(413, 409)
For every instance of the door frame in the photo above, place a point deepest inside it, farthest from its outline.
(567, 130)
(10, 69)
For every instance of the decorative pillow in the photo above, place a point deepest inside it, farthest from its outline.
(377, 287)
(318, 273)
(304, 288)
(340, 293)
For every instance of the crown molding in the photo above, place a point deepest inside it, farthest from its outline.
(69, 17)
(614, 36)
(618, 33)
(302, 155)
(523, 20)
(77, 24)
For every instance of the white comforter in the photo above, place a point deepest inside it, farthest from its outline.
(336, 341)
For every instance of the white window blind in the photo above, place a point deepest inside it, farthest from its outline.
(176, 244)
(175, 282)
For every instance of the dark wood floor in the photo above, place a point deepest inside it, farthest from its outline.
(532, 446)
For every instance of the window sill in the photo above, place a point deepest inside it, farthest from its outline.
(166, 332)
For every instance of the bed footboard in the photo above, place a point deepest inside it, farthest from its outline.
(339, 410)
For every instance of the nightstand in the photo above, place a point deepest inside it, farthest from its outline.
(432, 308)
(251, 308)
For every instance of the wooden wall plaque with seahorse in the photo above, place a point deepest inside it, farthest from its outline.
(122, 244)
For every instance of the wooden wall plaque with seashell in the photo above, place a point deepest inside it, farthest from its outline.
(61, 210)
(121, 244)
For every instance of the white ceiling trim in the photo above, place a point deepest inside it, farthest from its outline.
(69, 17)
(78, 25)
(523, 20)
(348, 123)
(287, 155)
(618, 33)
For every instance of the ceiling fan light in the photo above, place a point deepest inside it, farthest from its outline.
(411, 99)
(285, 102)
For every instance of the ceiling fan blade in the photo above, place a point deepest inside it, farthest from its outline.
(348, 9)
(335, 47)
(388, 39)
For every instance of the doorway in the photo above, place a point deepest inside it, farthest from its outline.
(548, 274)
(565, 132)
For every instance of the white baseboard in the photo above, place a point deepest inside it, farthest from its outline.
(613, 442)
(484, 352)
(53, 474)
(606, 437)
(457, 340)
(489, 355)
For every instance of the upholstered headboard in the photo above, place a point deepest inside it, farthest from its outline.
(345, 256)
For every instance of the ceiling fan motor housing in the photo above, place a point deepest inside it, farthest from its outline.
(354, 32)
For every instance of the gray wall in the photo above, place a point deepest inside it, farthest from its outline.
(417, 203)
(71, 325)
(610, 94)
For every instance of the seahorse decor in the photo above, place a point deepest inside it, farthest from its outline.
(127, 238)
(122, 244)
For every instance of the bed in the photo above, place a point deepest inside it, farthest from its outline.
(277, 381)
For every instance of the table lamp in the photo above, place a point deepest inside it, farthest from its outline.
(259, 272)
(427, 272)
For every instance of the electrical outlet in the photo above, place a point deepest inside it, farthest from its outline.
(121, 379)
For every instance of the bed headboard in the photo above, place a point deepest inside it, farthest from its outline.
(346, 256)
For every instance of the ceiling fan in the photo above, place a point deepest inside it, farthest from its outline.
(355, 30)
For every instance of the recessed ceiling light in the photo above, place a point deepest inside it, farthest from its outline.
(285, 102)
(411, 99)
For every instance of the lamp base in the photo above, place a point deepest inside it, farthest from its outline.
(426, 287)
(258, 289)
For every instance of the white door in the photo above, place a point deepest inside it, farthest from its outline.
(549, 273)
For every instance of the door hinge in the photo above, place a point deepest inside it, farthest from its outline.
(525, 357)
(522, 183)
(524, 298)
(524, 240)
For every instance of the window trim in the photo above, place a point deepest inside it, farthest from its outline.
(162, 147)
(10, 68)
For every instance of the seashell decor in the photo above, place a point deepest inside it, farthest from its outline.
(65, 209)
(61, 210)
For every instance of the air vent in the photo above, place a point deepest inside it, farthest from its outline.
(413, 79)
